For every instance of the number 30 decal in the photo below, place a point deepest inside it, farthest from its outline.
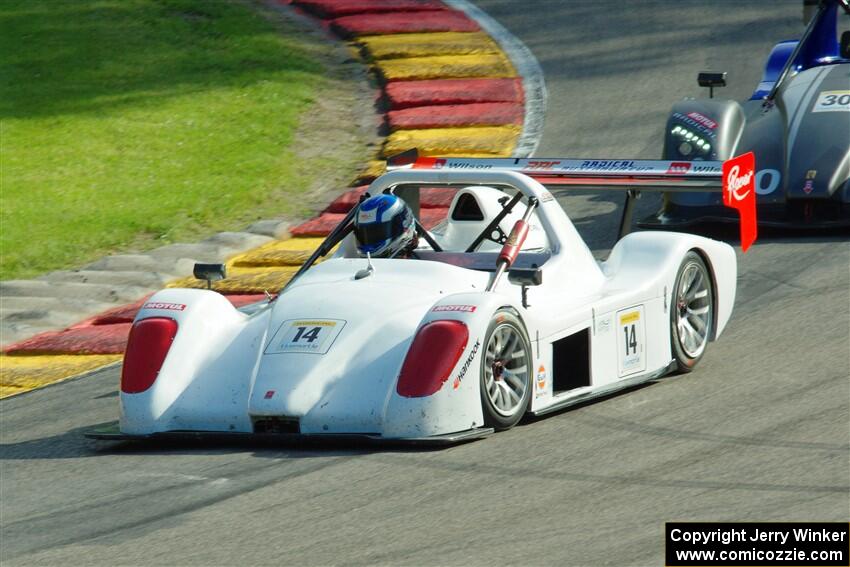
(310, 336)
(631, 341)
(832, 101)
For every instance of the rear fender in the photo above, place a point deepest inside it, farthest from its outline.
(203, 383)
(457, 405)
(642, 256)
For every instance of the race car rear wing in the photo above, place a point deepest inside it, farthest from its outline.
(630, 175)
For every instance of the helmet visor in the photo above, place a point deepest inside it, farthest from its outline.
(370, 234)
(373, 233)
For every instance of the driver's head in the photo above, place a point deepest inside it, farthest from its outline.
(384, 227)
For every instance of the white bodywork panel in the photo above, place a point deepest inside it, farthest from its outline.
(226, 369)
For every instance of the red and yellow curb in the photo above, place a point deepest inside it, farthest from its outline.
(449, 90)
(411, 45)
(20, 374)
(445, 20)
(438, 92)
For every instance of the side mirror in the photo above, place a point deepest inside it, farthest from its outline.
(525, 276)
(209, 272)
(844, 50)
(711, 80)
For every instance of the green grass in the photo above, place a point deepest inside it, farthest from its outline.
(128, 124)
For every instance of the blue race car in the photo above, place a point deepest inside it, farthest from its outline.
(797, 122)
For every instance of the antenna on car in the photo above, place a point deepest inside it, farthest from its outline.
(367, 271)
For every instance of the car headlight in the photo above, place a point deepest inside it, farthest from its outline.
(691, 142)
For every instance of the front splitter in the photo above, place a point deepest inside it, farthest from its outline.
(112, 433)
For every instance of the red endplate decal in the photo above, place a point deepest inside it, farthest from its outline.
(739, 192)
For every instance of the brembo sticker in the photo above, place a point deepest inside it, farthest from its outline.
(164, 306)
(466, 365)
(455, 308)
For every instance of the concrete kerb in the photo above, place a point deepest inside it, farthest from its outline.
(56, 299)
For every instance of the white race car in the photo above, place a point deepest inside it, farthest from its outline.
(473, 331)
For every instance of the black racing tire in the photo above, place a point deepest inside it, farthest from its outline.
(505, 380)
(691, 312)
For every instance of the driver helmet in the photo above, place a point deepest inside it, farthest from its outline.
(384, 227)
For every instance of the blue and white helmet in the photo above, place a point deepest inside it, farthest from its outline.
(384, 227)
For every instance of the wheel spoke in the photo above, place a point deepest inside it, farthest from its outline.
(514, 381)
(688, 336)
(520, 369)
(688, 281)
(698, 310)
(513, 397)
(697, 282)
(497, 395)
(697, 285)
(505, 396)
(698, 324)
(512, 340)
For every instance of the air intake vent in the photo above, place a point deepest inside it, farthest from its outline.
(467, 209)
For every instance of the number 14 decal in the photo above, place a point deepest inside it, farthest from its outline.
(308, 336)
(631, 341)
(631, 351)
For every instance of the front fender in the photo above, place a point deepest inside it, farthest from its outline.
(456, 406)
(203, 382)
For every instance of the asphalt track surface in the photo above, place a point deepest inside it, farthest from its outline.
(761, 431)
